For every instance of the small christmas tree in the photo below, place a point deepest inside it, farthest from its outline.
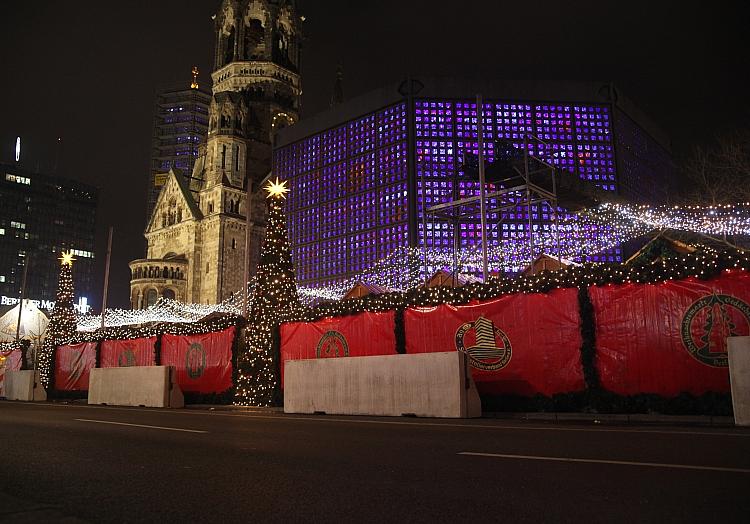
(62, 323)
(275, 300)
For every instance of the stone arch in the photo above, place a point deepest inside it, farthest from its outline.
(151, 297)
(169, 293)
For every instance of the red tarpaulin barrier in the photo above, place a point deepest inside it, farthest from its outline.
(361, 335)
(517, 344)
(123, 353)
(203, 363)
(670, 337)
(73, 364)
(10, 361)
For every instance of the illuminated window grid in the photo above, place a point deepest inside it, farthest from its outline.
(332, 182)
(333, 256)
(333, 145)
(433, 118)
(512, 121)
(391, 125)
(363, 250)
(361, 135)
(333, 220)
(592, 123)
(553, 122)
(391, 238)
(309, 157)
(391, 166)
(596, 163)
(361, 173)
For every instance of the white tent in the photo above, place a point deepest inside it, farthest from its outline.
(33, 323)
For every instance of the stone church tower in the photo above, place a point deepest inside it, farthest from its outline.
(196, 235)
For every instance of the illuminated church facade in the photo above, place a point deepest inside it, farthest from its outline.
(197, 232)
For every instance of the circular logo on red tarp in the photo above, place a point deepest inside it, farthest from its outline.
(126, 358)
(707, 324)
(332, 344)
(195, 360)
(486, 345)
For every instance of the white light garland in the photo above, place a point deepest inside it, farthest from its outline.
(588, 233)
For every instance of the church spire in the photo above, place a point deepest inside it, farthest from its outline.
(337, 97)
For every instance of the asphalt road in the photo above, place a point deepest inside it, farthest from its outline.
(102, 464)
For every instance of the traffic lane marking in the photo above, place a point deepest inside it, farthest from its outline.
(600, 461)
(324, 418)
(139, 425)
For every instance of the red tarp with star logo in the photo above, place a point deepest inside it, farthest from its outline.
(122, 353)
(73, 364)
(670, 337)
(542, 330)
(203, 363)
(361, 335)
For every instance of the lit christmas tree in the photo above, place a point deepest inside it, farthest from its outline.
(275, 300)
(62, 323)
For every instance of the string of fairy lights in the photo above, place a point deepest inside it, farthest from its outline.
(592, 231)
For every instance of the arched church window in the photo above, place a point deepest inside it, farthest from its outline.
(229, 49)
(168, 293)
(253, 38)
(151, 297)
(165, 272)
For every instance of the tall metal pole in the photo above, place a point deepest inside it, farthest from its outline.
(246, 272)
(21, 294)
(482, 188)
(106, 275)
(527, 180)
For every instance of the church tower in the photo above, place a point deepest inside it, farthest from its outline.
(256, 91)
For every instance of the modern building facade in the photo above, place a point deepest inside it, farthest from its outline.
(361, 173)
(40, 217)
(196, 234)
(180, 123)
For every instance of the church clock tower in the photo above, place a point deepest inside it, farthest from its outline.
(256, 91)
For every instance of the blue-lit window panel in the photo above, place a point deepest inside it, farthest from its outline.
(304, 190)
(305, 225)
(513, 121)
(391, 238)
(333, 220)
(305, 258)
(332, 182)
(553, 122)
(596, 162)
(361, 135)
(466, 120)
(362, 249)
(391, 125)
(558, 154)
(362, 211)
(333, 256)
(333, 145)
(433, 118)
(392, 164)
(310, 154)
(392, 204)
(361, 174)
(435, 158)
(592, 123)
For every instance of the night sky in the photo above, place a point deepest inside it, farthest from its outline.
(87, 71)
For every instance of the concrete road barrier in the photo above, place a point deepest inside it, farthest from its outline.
(148, 386)
(24, 385)
(739, 376)
(425, 385)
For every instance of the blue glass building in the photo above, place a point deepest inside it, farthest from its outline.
(361, 174)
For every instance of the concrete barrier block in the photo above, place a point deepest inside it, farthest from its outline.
(424, 385)
(739, 376)
(148, 386)
(24, 385)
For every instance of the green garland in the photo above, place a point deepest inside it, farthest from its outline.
(703, 265)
